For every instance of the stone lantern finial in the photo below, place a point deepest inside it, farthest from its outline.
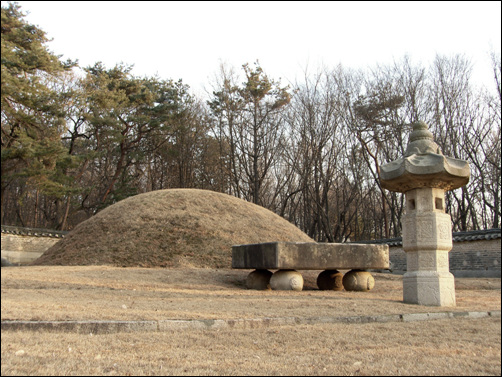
(421, 141)
(423, 165)
(424, 174)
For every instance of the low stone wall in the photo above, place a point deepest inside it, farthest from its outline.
(23, 245)
(474, 254)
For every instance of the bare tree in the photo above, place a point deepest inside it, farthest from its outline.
(379, 130)
(250, 118)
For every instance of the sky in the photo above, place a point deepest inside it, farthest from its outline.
(190, 40)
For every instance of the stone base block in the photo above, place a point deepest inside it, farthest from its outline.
(430, 288)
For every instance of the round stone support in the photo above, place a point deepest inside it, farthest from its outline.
(358, 280)
(330, 280)
(286, 280)
(259, 279)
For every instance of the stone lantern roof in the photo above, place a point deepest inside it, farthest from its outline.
(423, 165)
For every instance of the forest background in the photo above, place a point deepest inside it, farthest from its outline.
(76, 141)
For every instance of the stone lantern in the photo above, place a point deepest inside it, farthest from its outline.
(423, 175)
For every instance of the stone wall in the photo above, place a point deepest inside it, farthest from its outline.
(23, 245)
(474, 254)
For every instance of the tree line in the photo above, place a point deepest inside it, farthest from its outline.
(75, 142)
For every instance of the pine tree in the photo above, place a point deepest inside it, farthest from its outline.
(32, 118)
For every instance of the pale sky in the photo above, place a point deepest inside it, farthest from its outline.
(189, 40)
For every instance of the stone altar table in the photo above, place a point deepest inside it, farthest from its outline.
(287, 257)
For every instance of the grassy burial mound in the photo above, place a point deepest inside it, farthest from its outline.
(170, 228)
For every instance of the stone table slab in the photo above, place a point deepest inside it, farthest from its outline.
(310, 256)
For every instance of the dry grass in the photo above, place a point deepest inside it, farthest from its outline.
(442, 347)
(102, 292)
(438, 347)
(170, 228)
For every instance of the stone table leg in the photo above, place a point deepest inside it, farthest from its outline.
(330, 280)
(286, 280)
(358, 280)
(259, 279)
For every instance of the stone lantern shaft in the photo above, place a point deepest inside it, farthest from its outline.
(423, 175)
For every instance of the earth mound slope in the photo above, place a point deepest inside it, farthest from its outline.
(170, 228)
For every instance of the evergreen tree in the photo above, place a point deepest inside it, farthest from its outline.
(32, 118)
(129, 118)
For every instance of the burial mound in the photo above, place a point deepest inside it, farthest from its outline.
(170, 228)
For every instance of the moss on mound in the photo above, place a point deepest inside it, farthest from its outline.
(170, 228)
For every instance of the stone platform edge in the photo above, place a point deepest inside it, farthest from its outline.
(109, 327)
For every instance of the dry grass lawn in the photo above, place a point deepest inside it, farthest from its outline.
(457, 346)
(442, 347)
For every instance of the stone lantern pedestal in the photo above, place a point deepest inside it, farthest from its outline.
(424, 175)
(427, 239)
